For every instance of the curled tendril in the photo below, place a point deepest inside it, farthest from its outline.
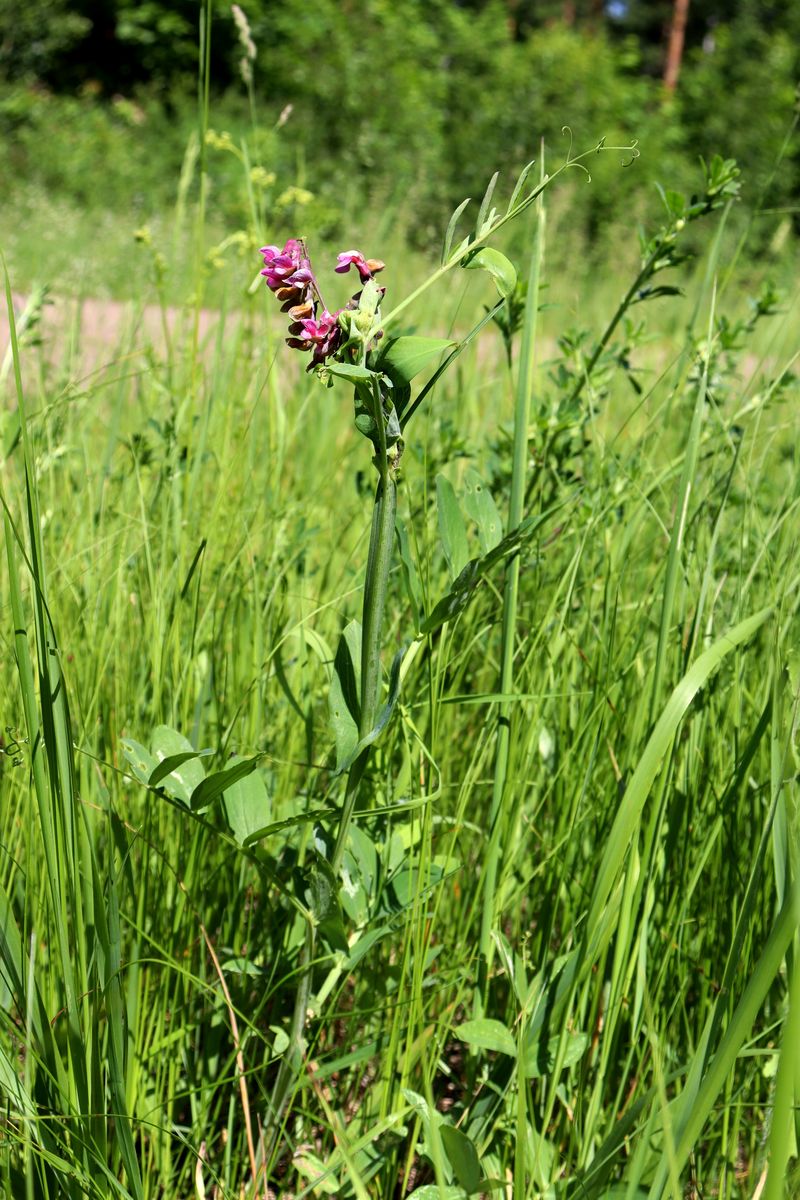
(12, 750)
(568, 129)
(634, 152)
(580, 167)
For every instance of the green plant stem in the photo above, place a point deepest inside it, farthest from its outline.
(292, 1061)
(489, 231)
(379, 561)
(377, 575)
(516, 506)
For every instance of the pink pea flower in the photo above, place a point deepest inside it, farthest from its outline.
(322, 336)
(288, 272)
(366, 267)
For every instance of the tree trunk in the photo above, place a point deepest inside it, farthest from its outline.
(677, 29)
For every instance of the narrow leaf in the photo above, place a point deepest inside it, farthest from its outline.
(182, 779)
(451, 229)
(487, 200)
(172, 762)
(214, 785)
(519, 185)
(316, 814)
(460, 594)
(627, 818)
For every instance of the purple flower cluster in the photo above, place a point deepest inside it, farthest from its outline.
(289, 275)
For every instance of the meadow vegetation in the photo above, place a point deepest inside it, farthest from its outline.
(544, 942)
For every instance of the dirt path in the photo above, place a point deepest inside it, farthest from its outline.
(86, 334)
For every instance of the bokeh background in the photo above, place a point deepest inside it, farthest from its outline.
(378, 115)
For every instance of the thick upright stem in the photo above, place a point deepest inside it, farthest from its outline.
(375, 585)
(516, 507)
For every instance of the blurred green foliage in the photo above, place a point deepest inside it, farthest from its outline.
(375, 101)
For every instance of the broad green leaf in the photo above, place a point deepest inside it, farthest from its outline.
(498, 266)
(320, 1178)
(242, 966)
(539, 1059)
(280, 1041)
(214, 785)
(408, 884)
(405, 357)
(365, 944)
(352, 372)
(542, 1156)
(320, 888)
(463, 1157)
(365, 423)
(13, 1091)
(171, 763)
(431, 1192)
(321, 895)
(451, 527)
(359, 875)
(482, 509)
(407, 414)
(484, 1033)
(140, 760)
(181, 781)
(246, 803)
(343, 706)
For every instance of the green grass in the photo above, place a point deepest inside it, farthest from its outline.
(186, 536)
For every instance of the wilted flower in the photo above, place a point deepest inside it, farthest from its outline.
(366, 267)
(322, 336)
